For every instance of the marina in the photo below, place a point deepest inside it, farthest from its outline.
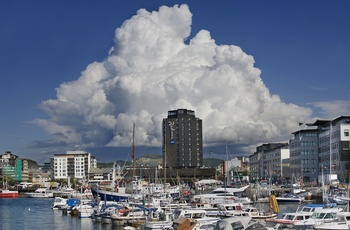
(40, 210)
(150, 206)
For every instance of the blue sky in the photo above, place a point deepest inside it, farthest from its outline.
(301, 48)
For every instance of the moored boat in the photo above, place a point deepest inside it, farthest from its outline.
(100, 207)
(289, 197)
(8, 194)
(70, 204)
(222, 195)
(85, 210)
(125, 216)
(231, 209)
(254, 213)
(238, 222)
(158, 225)
(40, 193)
(109, 195)
(288, 219)
(59, 203)
(342, 221)
(159, 220)
(197, 216)
(310, 207)
(319, 216)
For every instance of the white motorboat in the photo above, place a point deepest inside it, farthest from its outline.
(59, 203)
(319, 216)
(339, 199)
(310, 207)
(260, 214)
(254, 213)
(85, 210)
(342, 221)
(158, 225)
(40, 193)
(288, 219)
(197, 216)
(222, 195)
(231, 209)
(159, 219)
(102, 205)
(238, 222)
(214, 199)
(211, 210)
(289, 197)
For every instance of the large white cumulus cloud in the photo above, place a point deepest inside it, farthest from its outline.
(153, 68)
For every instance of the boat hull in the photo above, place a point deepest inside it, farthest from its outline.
(120, 221)
(85, 211)
(109, 196)
(34, 195)
(264, 217)
(9, 194)
(158, 225)
(40, 193)
(282, 199)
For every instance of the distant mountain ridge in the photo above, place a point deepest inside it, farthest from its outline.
(212, 162)
(208, 162)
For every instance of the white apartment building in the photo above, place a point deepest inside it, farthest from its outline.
(74, 164)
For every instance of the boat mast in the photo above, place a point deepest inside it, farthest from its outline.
(226, 173)
(113, 177)
(133, 151)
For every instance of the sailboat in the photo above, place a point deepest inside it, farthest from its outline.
(112, 195)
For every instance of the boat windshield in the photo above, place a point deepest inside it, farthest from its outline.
(306, 209)
(320, 215)
(222, 208)
(197, 215)
(289, 217)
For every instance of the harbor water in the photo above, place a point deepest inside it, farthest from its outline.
(36, 214)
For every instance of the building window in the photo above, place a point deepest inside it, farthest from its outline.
(346, 133)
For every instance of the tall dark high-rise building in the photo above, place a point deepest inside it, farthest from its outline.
(182, 139)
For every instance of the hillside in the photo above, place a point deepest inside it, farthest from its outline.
(31, 164)
(208, 162)
(110, 164)
(212, 162)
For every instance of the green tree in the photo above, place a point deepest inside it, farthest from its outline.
(246, 172)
